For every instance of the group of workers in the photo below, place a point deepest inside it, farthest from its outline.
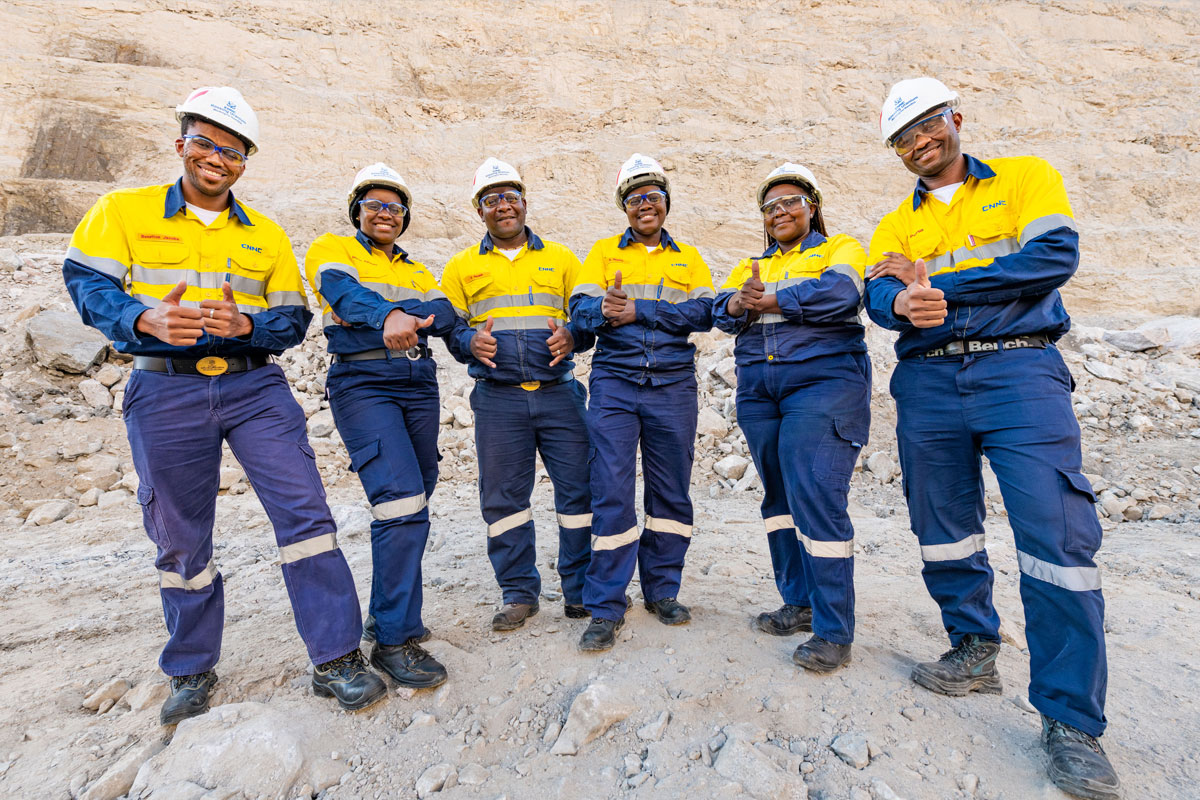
(202, 291)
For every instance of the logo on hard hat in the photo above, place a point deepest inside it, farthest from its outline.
(901, 105)
(230, 110)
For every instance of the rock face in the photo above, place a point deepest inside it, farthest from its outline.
(595, 709)
(60, 340)
(250, 748)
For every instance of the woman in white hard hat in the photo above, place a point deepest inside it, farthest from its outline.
(642, 293)
(803, 401)
(378, 307)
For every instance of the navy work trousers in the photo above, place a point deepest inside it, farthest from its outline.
(1014, 407)
(386, 412)
(176, 424)
(805, 423)
(512, 425)
(663, 418)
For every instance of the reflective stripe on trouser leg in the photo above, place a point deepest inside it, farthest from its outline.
(758, 417)
(560, 424)
(1021, 412)
(265, 429)
(506, 447)
(615, 429)
(387, 414)
(668, 415)
(943, 487)
(178, 465)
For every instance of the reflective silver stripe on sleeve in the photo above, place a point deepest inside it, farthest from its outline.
(767, 319)
(1045, 224)
(953, 551)
(508, 523)
(616, 540)
(327, 319)
(240, 283)
(574, 520)
(461, 313)
(165, 277)
(1075, 579)
(346, 268)
(536, 323)
(850, 272)
(991, 250)
(588, 290)
(661, 525)
(292, 553)
(527, 300)
(434, 294)
(173, 580)
(393, 293)
(652, 291)
(779, 523)
(827, 549)
(153, 302)
(286, 299)
(394, 509)
(107, 266)
(702, 293)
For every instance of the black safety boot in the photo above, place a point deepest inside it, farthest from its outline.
(669, 611)
(821, 655)
(368, 633)
(409, 664)
(600, 635)
(574, 612)
(970, 667)
(1078, 764)
(189, 697)
(348, 679)
(513, 615)
(785, 621)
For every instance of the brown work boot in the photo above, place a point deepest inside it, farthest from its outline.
(513, 615)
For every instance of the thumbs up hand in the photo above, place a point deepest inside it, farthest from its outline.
(560, 342)
(749, 297)
(924, 306)
(400, 329)
(616, 307)
(170, 322)
(483, 344)
(222, 318)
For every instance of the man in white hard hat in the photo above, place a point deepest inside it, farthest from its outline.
(510, 294)
(203, 290)
(967, 269)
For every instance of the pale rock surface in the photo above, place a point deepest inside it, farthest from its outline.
(113, 690)
(351, 520)
(433, 779)
(60, 340)
(118, 778)
(853, 749)
(731, 466)
(321, 424)
(711, 423)
(741, 761)
(594, 709)
(95, 394)
(1146, 337)
(47, 513)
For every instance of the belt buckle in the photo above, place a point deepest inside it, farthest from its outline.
(531, 386)
(413, 353)
(212, 365)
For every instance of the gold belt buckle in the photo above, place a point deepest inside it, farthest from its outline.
(212, 365)
(531, 386)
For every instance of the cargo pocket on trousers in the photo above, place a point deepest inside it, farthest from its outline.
(152, 518)
(1082, 534)
(838, 451)
(308, 462)
(360, 456)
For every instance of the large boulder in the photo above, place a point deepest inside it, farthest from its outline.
(61, 341)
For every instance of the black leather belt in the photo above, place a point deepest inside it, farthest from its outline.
(966, 347)
(531, 386)
(209, 365)
(414, 353)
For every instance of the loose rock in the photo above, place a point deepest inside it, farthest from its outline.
(593, 711)
(61, 341)
(852, 748)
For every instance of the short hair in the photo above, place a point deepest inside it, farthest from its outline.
(185, 122)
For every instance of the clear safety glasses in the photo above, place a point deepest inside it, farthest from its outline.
(202, 146)
(495, 198)
(375, 206)
(929, 126)
(791, 203)
(653, 198)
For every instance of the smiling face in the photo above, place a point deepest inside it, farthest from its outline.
(506, 220)
(788, 227)
(935, 153)
(382, 227)
(208, 177)
(647, 218)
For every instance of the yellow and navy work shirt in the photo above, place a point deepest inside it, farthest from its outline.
(363, 284)
(999, 251)
(818, 285)
(671, 289)
(521, 296)
(135, 245)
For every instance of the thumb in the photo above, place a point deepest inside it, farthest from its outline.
(425, 323)
(617, 282)
(175, 295)
(754, 269)
(228, 291)
(487, 328)
(922, 274)
(553, 323)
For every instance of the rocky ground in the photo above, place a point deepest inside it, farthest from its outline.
(712, 709)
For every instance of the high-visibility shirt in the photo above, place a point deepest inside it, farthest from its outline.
(135, 245)
(818, 285)
(672, 292)
(521, 295)
(363, 284)
(999, 251)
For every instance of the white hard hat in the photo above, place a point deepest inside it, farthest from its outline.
(382, 176)
(494, 172)
(790, 173)
(223, 106)
(908, 100)
(640, 170)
